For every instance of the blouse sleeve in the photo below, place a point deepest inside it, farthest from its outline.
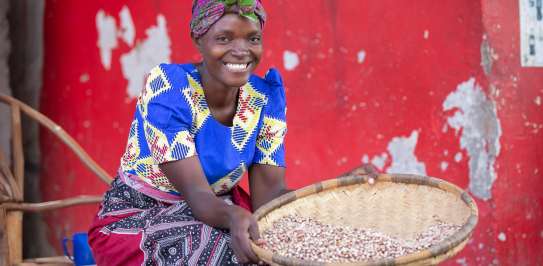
(270, 147)
(166, 114)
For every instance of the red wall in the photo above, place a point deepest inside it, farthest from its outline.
(407, 105)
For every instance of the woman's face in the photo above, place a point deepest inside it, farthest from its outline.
(231, 49)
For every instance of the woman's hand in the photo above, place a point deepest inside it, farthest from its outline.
(187, 176)
(243, 228)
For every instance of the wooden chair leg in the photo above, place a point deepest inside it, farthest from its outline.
(4, 247)
(14, 230)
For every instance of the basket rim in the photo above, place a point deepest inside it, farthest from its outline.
(462, 235)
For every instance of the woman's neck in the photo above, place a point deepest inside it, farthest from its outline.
(218, 95)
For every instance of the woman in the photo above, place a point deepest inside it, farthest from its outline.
(197, 129)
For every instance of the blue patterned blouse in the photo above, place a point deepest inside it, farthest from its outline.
(173, 122)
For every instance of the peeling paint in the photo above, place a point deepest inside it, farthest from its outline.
(531, 33)
(476, 115)
(342, 161)
(486, 56)
(107, 40)
(426, 34)
(290, 60)
(379, 160)
(462, 261)
(361, 56)
(84, 78)
(444, 166)
(537, 100)
(458, 157)
(365, 159)
(502, 237)
(127, 30)
(402, 152)
(155, 49)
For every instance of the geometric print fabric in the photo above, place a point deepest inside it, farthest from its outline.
(173, 122)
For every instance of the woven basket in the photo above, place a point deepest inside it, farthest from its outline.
(398, 205)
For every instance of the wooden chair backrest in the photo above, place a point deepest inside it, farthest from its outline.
(12, 180)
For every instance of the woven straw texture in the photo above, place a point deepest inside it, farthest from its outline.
(398, 205)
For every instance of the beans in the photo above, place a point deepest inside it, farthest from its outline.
(308, 239)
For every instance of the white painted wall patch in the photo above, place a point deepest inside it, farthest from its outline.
(365, 159)
(480, 136)
(444, 166)
(127, 30)
(458, 157)
(502, 237)
(361, 56)
(155, 49)
(107, 37)
(402, 152)
(531, 33)
(290, 60)
(379, 160)
(537, 100)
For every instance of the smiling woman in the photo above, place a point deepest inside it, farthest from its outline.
(197, 129)
(231, 55)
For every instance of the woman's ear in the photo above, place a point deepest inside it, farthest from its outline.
(196, 42)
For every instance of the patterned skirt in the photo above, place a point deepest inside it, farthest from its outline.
(132, 228)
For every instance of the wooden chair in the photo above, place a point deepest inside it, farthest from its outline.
(12, 204)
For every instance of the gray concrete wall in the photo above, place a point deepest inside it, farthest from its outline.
(25, 63)
(5, 46)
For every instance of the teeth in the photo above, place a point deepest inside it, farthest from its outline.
(236, 67)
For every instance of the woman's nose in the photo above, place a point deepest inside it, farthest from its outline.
(240, 48)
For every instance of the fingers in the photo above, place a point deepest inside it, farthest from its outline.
(241, 245)
(254, 233)
(238, 251)
(241, 241)
(249, 253)
(261, 242)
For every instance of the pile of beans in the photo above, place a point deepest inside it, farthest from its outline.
(308, 239)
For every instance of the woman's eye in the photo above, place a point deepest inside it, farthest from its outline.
(222, 39)
(256, 39)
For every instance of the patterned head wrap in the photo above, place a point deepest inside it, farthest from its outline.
(206, 12)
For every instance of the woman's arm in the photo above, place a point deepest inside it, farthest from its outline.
(266, 183)
(188, 178)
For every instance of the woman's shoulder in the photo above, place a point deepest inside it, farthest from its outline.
(272, 78)
(164, 95)
(271, 84)
(173, 72)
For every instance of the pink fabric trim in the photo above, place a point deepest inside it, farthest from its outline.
(136, 183)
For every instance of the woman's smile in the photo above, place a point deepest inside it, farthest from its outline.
(238, 67)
